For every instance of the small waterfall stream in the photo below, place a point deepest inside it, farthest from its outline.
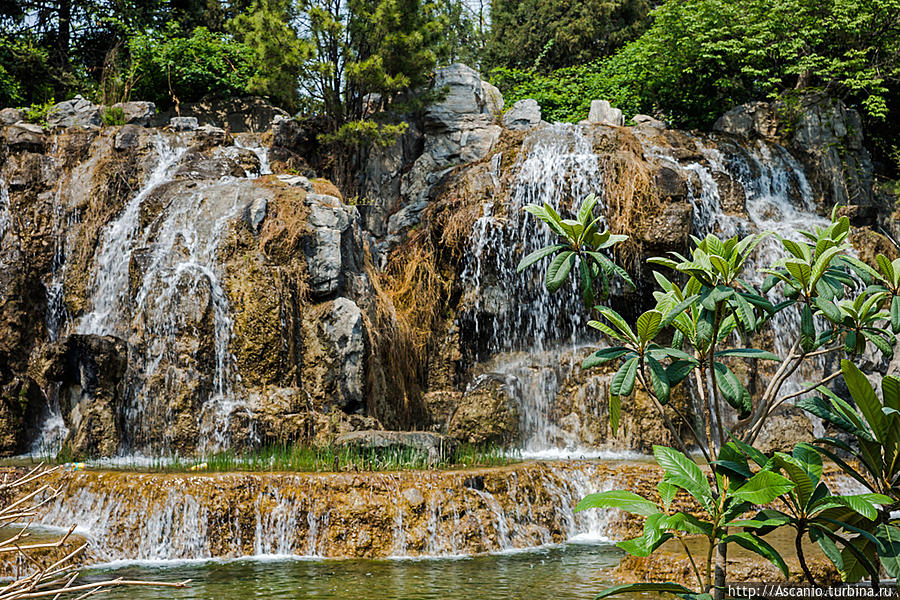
(157, 277)
(530, 332)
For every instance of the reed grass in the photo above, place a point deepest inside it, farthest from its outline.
(304, 458)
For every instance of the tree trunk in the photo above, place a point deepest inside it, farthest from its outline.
(63, 33)
(721, 566)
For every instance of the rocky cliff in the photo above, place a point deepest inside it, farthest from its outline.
(193, 286)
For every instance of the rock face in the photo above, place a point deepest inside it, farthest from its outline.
(360, 515)
(253, 306)
(90, 371)
(826, 134)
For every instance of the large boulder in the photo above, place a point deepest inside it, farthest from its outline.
(485, 415)
(602, 112)
(334, 353)
(524, 114)
(25, 136)
(329, 219)
(75, 112)
(90, 371)
(137, 113)
(8, 116)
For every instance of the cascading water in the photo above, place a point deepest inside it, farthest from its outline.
(532, 337)
(158, 277)
(515, 318)
(778, 199)
(405, 514)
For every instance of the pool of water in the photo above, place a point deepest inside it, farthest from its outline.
(567, 572)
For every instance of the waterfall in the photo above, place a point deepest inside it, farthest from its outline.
(5, 211)
(778, 199)
(139, 516)
(157, 282)
(514, 318)
(531, 341)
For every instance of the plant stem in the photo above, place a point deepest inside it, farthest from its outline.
(691, 558)
(798, 544)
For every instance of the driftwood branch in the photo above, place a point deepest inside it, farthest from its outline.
(21, 497)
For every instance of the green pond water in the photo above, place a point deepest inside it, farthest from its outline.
(567, 572)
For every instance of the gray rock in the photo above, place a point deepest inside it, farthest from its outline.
(406, 217)
(128, 137)
(137, 113)
(296, 181)
(196, 165)
(754, 119)
(184, 123)
(434, 445)
(524, 114)
(465, 94)
(602, 112)
(256, 213)
(8, 116)
(329, 219)
(25, 136)
(246, 159)
(75, 112)
(648, 121)
(345, 329)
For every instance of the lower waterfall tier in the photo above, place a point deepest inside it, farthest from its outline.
(146, 516)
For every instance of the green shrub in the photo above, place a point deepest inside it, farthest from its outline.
(37, 113)
(169, 67)
(114, 115)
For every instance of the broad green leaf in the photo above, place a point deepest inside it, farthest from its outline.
(798, 475)
(684, 472)
(807, 330)
(621, 499)
(678, 370)
(763, 488)
(864, 504)
(587, 207)
(733, 390)
(559, 269)
(648, 325)
(667, 492)
(622, 383)
(810, 459)
(888, 538)
(604, 355)
(659, 380)
(615, 412)
(865, 398)
(635, 588)
(760, 546)
(538, 255)
(895, 314)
